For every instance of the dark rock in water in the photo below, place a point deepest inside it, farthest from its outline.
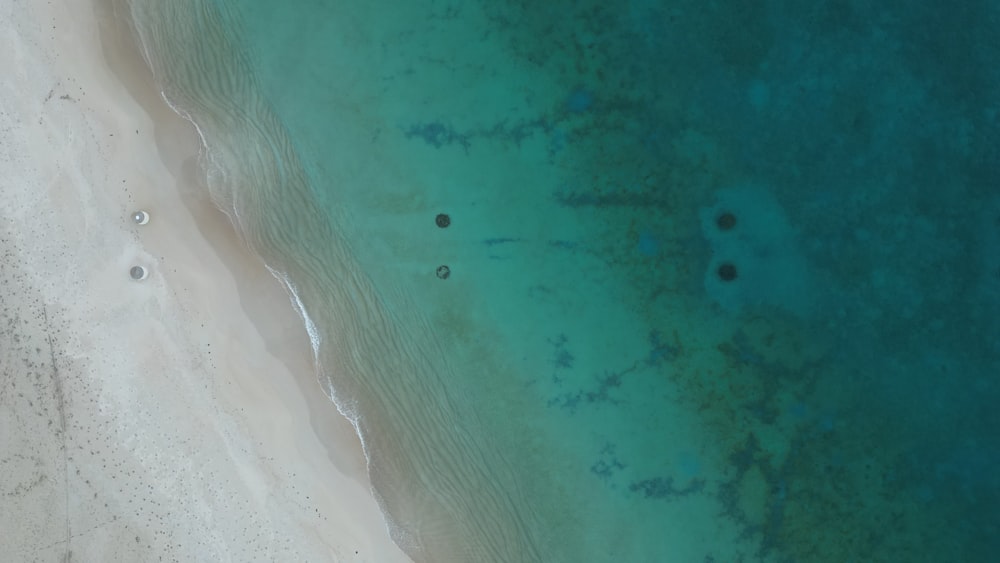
(727, 272)
(726, 221)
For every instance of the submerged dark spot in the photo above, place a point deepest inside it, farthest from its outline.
(442, 220)
(579, 101)
(443, 272)
(727, 272)
(725, 221)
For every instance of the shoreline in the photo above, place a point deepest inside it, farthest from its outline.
(206, 401)
(282, 331)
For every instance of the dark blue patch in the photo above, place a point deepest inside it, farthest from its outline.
(663, 488)
(659, 351)
(562, 358)
(501, 240)
(608, 464)
(579, 101)
(567, 401)
(649, 245)
(436, 134)
(563, 244)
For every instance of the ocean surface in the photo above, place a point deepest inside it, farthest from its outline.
(629, 281)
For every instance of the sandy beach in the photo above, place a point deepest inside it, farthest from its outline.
(173, 418)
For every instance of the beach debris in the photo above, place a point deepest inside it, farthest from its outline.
(443, 272)
(442, 220)
(140, 217)
(138, 273)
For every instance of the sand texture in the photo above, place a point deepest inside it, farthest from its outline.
(174, 418)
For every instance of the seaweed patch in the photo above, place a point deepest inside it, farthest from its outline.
(663, 488)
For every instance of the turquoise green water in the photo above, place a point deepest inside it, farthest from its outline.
(722, 282)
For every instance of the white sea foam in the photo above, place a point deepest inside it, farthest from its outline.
(314, 336)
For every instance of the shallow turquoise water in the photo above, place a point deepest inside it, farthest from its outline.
(588, 383)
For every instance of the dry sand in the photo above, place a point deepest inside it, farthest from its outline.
(176, 418)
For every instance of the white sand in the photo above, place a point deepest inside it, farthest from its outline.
(176, 418)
